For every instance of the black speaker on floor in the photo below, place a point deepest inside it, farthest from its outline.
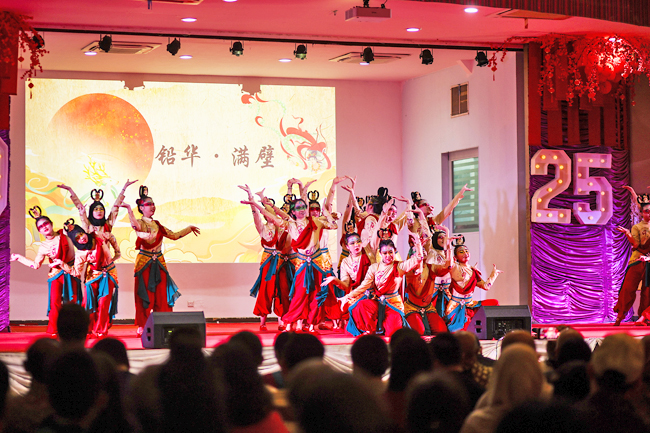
(159, 327)
(493, 322)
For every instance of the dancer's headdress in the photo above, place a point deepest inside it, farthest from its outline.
(361, 202)
(385, 234)
(97, 195)
(313, 198)
(36, 213)
(434, 239)
(457, 243)
(416, 198)
(74, 231)
(643, 199)
(143, 193)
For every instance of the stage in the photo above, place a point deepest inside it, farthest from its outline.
(14, 344)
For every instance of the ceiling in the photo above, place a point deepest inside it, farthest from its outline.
(440, 24)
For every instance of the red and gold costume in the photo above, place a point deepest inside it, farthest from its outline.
(154, 288)
(461, 308)
(419, 307)
(638, 271)
(383, 300)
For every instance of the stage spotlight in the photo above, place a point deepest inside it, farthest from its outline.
(174, 46)
(106, 43)
(368, 55)
(39, 41)
(481, 59)
(237, 49)
(427, 57)
(300, 52)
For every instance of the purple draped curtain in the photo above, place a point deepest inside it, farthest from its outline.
(577, 270)
(5, 253)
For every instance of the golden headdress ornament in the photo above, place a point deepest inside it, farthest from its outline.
(313, 196)
(35, 212)
(643, 199)
(415, 196)
(361, 202)
(97, 194)
(144, 191)
(385, 234)
(459, 242)
(69, 225)
(289, 198)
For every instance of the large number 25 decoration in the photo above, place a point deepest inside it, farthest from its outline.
(583, 184)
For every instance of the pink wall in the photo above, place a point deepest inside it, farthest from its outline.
(369, 145)
(640, 137)
(492, 126)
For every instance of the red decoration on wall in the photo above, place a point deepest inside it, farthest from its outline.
(576, 66)
(15, 30)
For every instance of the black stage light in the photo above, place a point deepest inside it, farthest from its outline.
(174, 46)
(300, 52)
(106, 43)
(368, 55)
(481, 58)
(427, 57)
(39, 41)
(237, 49)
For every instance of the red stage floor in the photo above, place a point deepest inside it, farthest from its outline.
(21, 336)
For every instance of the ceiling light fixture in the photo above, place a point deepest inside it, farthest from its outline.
(413, 29)
(427, 57)
(105, 43)
(230, 1)
(188, 20)
(481, 59)
(300, 52)
(284, 60)
(471, 10)
(368, 55)
(185, 57)
(174, 46)
(237, 49)
(91, 53)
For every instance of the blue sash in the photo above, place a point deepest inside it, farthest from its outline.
(271, 260)
(154, 279)
(68, 290)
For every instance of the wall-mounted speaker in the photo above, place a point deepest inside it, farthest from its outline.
(493, 322)
(159, 327)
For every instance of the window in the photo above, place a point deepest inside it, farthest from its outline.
(465, 216)
(459, 100)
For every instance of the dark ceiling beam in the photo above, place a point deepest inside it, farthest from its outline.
(373, 44)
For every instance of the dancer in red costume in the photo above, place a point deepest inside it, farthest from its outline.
(96, 220)
(154, 288)
(353, 268)
(381, 308)
(421, 293)
(464, 280)
(306, 292)
(266, 288)
(62, 287)
(638, 269)
(95, 267)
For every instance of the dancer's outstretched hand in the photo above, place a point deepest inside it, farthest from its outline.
(464, 189)
(328, 280)
(496, 271)
(54, 263)
(129, 183)
(195, 230)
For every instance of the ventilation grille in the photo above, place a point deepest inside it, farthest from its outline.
(356, 56)
(120, 47)
(459, 100)
(530, 15)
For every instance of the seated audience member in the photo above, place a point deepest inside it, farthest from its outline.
(541, 417)
(471, 349)
(116, 350)
(252, 342)
(570, 382)
(370, 361)
(111, 418)
(181, 395)
(617, 366)
(436, 403)
(75, 391)
(26, 412)
(327, 401)
(73, 324)
(276, 379)
(248, 404)
(574, 349)
(4, 390)
(409, 356)
(518, 336)
(447, 357)
(517, 378)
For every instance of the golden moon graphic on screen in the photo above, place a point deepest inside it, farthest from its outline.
(109, 130)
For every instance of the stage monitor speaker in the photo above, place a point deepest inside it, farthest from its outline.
(493, 322)
(159, 327)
